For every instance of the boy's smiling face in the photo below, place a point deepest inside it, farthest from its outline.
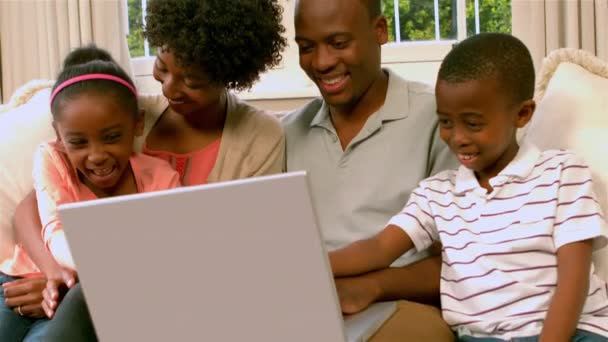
(478, 121)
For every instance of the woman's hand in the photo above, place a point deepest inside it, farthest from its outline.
(58, 281)
(24, 296)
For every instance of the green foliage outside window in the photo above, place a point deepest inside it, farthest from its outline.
(135, 39)
(417, 18)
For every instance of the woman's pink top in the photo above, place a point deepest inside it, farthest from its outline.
(193, 168)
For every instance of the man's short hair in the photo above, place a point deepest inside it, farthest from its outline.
(489, 55)
(374, 7)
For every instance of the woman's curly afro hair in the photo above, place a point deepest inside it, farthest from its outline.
(231, 41)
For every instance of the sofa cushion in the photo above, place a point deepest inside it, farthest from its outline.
(22, 128)
(572, 113)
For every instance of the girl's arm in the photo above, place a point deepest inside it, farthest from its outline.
(370, 254)
(52, 187)
(573, 269)
(28, 231)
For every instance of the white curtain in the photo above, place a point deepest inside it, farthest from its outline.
(547, 25)
(35, 36)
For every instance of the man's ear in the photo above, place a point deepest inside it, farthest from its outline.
(526, 110)
(381, 29)
(139, 123)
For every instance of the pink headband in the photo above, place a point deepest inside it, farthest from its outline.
(86, 77)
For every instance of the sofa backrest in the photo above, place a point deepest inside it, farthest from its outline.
(572, 113)
(23, 126)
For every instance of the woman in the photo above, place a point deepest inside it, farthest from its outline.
(206, 49)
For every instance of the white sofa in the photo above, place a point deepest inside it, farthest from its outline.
(572, 113)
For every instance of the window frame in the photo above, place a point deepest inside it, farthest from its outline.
(288, 81)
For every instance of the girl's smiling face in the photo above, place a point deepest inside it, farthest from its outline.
(97, 134)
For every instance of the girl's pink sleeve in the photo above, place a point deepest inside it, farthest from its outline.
(51, 179)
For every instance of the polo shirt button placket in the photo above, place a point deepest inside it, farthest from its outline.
(478, 197)
(334, 144)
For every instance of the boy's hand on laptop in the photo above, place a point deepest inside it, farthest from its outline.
(24, 296)
(58, 282)
(356, 293)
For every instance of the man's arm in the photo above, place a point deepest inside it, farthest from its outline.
(418, 282)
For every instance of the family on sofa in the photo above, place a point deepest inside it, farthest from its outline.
(498, 233)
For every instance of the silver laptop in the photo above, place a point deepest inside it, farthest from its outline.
(234, 261)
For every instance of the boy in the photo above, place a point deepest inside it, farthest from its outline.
(517, 225)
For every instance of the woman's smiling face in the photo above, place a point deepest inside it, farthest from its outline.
(188, 90)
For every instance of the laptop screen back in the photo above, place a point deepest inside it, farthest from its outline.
(232, 261)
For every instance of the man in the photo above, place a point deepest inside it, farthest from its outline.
(365, 145)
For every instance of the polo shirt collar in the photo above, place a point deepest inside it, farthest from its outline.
(322, 117)
(520, 167)
(395, 107)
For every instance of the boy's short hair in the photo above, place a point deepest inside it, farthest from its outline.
(489, 55)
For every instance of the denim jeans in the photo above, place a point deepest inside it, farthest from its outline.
(579, 336)
(18, 328)
(72, 321)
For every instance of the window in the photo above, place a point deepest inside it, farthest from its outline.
(436, 20)
(421, 33)
(434, 25)
(142, 55)
(138, 46)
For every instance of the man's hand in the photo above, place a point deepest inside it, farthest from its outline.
(356, 293)
(58, 282)
(24, 296)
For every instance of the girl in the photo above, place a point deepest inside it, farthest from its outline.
(96, 119)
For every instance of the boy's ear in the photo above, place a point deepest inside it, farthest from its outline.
(526, 110)
(139, 123)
